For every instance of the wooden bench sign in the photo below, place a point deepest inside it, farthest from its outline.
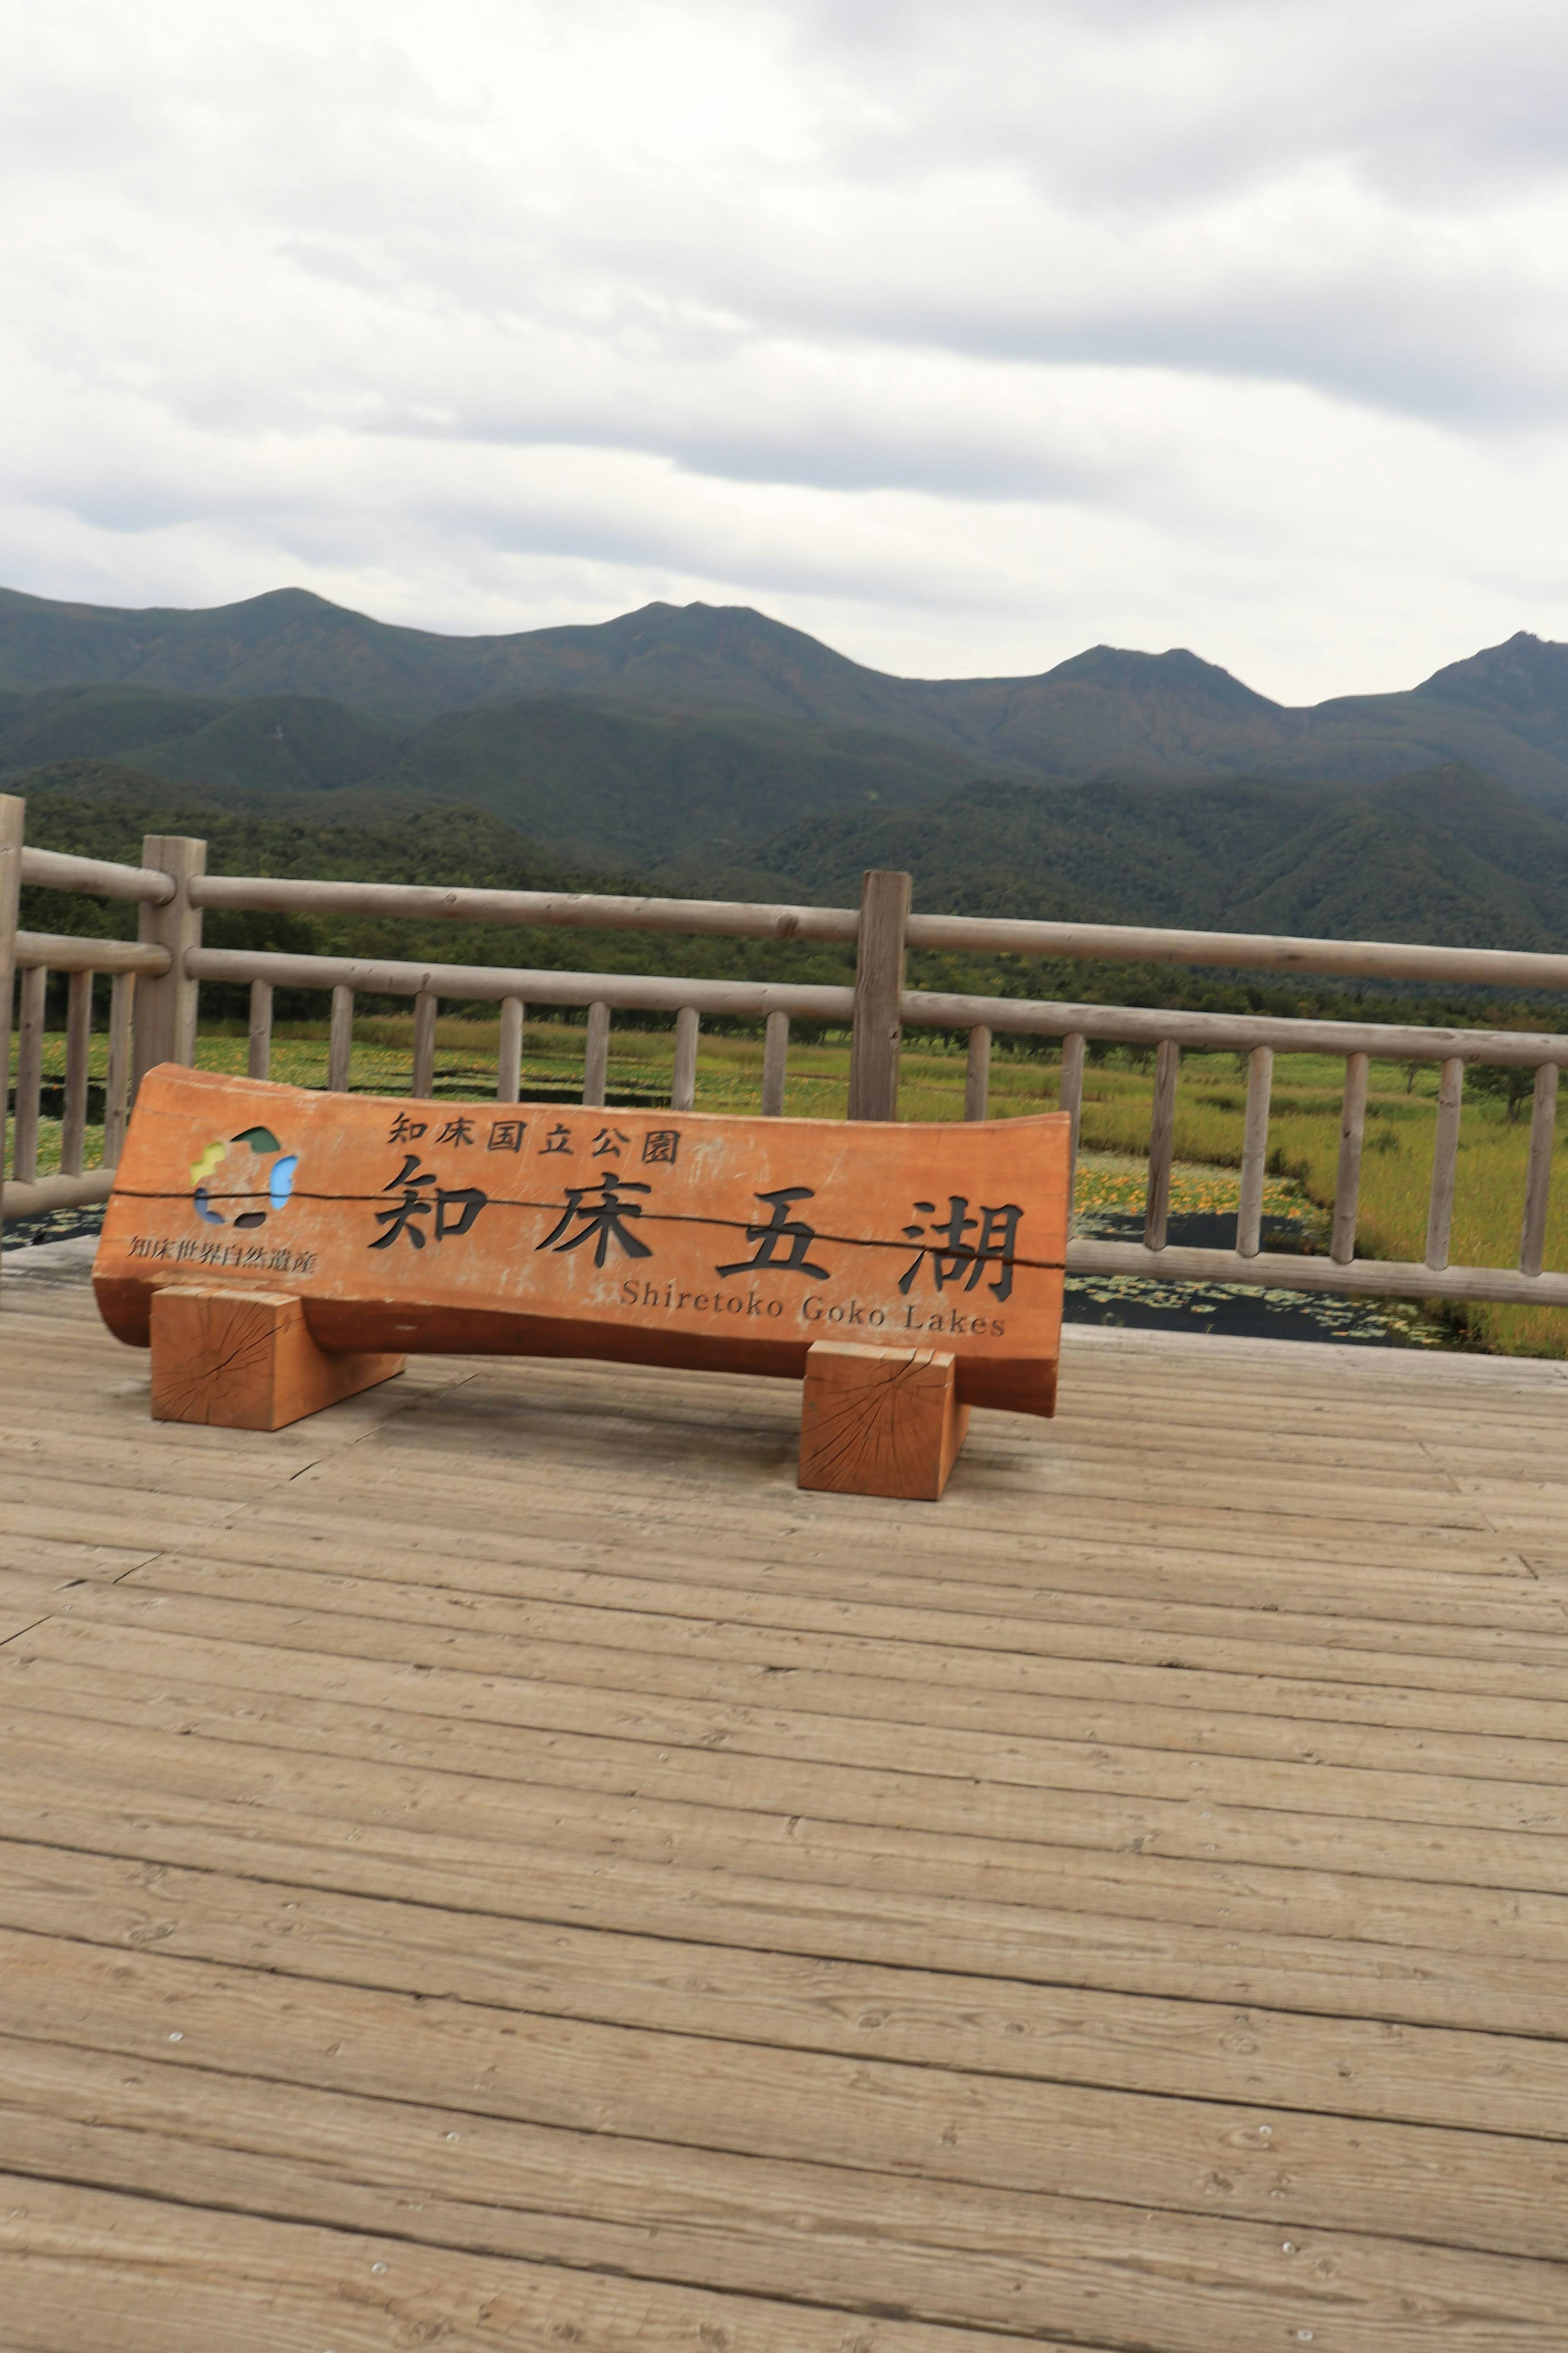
(280, 1248)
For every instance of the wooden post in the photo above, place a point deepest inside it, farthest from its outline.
(775, 1062)
(683, 1088)
(509, 1053)
(878, 1034)
(879, 1421)
(245, 1360)
(1444, 1163)
(1254, 1151)
(977, 1072)
(1538, 1178)
(1347, 1185)
(117, 1083)
(422, 1078)
(12, 821)
(1070, 1098)
(166, 1002)
(341, 1041)
(1161, 1143)
(260, 1059)
(596, 1054)
(29, 1074)
(79, 1053)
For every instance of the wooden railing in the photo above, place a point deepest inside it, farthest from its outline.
(168, 965)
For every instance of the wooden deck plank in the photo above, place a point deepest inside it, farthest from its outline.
(18, 1616)
(1282, 1515)
(750, 2225)
(82, 2269)
(141, 1676)
(1043, 2032)
(1175, 1940)
(1055, 1634)
(1495, 1602)
(1493, 2192)
(1126, 1904)
(737, 1586)
(1403, 1892)
(538, 1731)
(1279, 1513)
(1004, 1682)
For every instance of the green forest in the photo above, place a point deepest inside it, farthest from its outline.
(101, 811)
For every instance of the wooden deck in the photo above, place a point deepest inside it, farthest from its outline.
(498, 1867)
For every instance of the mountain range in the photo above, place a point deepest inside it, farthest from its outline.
(717, 752)
(1504, 710)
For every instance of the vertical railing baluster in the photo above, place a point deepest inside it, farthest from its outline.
(341, 1041)
(29, 1074)
(683, 1085)
(1254, 1151)
(258, 1057)
(1161, 1143)
(776, 1063)
(79, 1055)
(509, 1053)
(1444, 1163)
(1538, 1175)
(117, 1079)
(596, 1055)
(1347, 1181)
(977, 1073)
(1070, 1098)
(422, 1077)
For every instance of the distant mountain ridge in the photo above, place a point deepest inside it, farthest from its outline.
(1503, 711)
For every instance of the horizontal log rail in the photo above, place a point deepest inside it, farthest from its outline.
(591, 910)
(58, 952)
(95, 878)
(978, 934)
(1232, 1032)
(35, 1199)
(1240, 951)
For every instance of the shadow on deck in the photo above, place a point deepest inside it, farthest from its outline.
(496, 1866)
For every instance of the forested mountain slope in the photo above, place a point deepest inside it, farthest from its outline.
(1442, 855)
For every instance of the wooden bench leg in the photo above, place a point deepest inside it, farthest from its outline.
(879, 1421)
(245, 1360)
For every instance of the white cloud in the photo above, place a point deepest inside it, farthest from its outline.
(964, 338)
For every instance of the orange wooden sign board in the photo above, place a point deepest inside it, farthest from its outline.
(644, 1236)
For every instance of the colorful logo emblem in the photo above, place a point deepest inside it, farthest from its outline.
(279, 1177)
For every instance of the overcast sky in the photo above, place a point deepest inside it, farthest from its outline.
(963, 336)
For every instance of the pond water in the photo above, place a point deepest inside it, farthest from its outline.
(1137, 1303)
